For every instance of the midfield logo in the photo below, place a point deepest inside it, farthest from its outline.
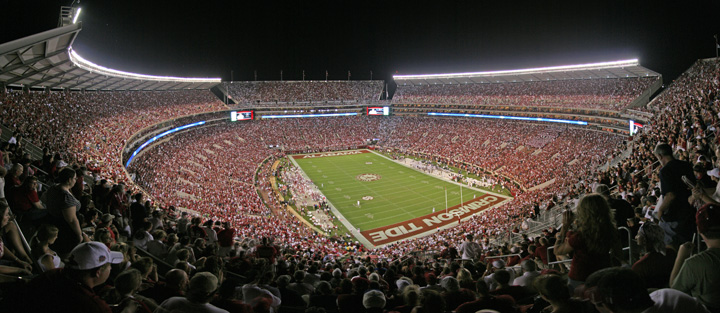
(368, 177)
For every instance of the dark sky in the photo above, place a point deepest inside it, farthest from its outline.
(211, 38)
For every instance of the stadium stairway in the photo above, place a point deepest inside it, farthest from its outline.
(222, 93)
(35, 151)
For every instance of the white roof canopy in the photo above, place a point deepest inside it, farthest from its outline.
(46, 60)
(615, 69)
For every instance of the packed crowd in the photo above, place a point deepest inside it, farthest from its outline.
(608, 94)
(180, 171)
(529, 109)
(530, 154)
(276, 276)
(302, 188)
(287, 92)
(96, 124)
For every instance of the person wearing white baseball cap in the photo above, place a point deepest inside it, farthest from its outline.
(70, 289)
(91, 255)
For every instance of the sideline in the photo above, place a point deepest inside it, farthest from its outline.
(335, 211)
(443, 179)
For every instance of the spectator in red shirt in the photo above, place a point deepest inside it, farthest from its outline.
(197, 231)
(592, 240)
(25, 202)
(655, 266)
(266, 250)
(449, 252)
(119, 208)
(12, 178)
(18, 267)
(541, 251)
(226, 237)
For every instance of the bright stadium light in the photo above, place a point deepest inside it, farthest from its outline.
(92, 67)
(539, 70)
(77, 14)
(508, 117)
(309, 115)
(153, 139)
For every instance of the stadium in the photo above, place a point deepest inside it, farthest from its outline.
(431, 187)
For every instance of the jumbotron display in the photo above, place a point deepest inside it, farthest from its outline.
(635, 127)
(241, 115)
(378, 111)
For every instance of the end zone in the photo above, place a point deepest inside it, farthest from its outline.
(420, 226)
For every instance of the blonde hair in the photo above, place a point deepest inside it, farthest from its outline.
(596, 224)
(464, 275)
(411, 295)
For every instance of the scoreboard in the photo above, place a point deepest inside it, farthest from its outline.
(635, 127)
(378, 111)
(241, 115)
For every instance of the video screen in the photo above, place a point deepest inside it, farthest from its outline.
(378, 110)
(634, 127)
(241, 115)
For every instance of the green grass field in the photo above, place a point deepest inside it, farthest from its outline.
(400, 194)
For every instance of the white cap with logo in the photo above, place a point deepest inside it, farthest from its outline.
(89, 255)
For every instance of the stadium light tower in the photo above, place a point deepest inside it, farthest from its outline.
(69, 14)
(77, 14)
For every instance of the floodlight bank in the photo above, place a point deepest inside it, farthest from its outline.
(309, 115)
(77, 14)
(92, 67)
(539, 70)
(510, 117)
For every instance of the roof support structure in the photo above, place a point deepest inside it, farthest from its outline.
(102, 80)
(80, 83)
(126, 83)
(27, 62)
(32, 40)
(44, 79)
(35, 71)
(137, 84)
(64, 80)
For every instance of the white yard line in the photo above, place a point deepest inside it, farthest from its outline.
(337, 213)
(404, 189)
(438, 177)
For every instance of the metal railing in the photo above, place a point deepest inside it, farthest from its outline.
(555, 262)
(630, 244)
(629, 248)
(502, 256)
(22, 237)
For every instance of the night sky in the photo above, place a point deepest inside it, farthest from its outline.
(211, 38)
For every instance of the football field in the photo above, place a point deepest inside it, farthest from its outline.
(373, 193)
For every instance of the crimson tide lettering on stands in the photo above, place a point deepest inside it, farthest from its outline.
(427, 223)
